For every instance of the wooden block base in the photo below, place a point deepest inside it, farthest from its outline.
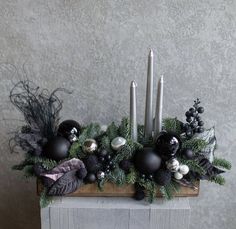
(110, 189)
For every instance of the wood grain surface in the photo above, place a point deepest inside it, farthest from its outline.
(110, 189)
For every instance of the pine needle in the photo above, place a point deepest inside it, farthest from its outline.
(44, 199)
(223, 163)
(218, 180)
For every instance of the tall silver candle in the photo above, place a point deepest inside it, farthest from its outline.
(133, 111)
(148, 124)
(159, 106)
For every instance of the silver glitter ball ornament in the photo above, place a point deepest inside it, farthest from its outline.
(100, 175)
(117, 142)
(172, 165)
(90, 146)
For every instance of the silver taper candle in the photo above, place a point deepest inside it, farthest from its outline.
(159, 106)
(133, 111)
(148, 123)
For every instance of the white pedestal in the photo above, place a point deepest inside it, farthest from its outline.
(115, 213)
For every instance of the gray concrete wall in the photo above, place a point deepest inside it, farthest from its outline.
(96, 48)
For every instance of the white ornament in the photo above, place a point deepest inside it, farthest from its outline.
(178, 176)
(172, 165)
(117, 142)
(104, 128)
(183, 169)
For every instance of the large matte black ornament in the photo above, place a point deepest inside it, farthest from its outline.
(57, 148)
(67, 184)
(167, 145)
(70, 130)
(147, 161)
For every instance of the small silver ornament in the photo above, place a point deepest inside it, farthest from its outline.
(183, 169)
(90, 146)
(172, 165)
(100, 175)
(117, 142)
(178, 176)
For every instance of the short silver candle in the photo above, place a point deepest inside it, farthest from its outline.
(148, 124)
(133, 111)
(159, 107)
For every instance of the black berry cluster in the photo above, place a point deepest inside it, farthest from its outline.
(194, 121)
(105, 158)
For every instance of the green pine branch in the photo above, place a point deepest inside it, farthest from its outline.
(169, 190)
(221, 162)
(193, 166)
(117, 176)
(132, 176)
(150, 187)
(105, 143)
(196, 145)
(93, 130)
(218, 180)
(45, 200)
(172, 125)
(124, 128)
(76, 151)
(112, 131)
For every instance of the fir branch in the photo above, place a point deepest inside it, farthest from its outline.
(124, 152)
(193, 166)
(29, 171)
(221, 162)
(124, 128)
(131, 177)
(196, 145)
(112, 131)
(76, 151)
(117, 176)
(150, 187)
(168, 191)
(105, 143)
(218, 180)
(45, 200)
(101, 183)
(172, 125)
(140, 133)
(93, 130)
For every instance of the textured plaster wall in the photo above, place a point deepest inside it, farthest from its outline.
(95, 48)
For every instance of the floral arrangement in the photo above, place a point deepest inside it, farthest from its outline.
(66, 155)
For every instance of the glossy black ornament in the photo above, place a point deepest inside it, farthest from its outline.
(162, 177)
(167, 145)
(70, 130)
(147, 161)
(57, 148)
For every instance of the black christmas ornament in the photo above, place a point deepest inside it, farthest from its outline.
(57, 148)
(70, 130)
(102, 152)
(162, 177)
(167, 145)
(81, 173)
(147, 161)
(187, 154)
(125, 165)
(139, 195)
(90, 178)
(92, 164)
